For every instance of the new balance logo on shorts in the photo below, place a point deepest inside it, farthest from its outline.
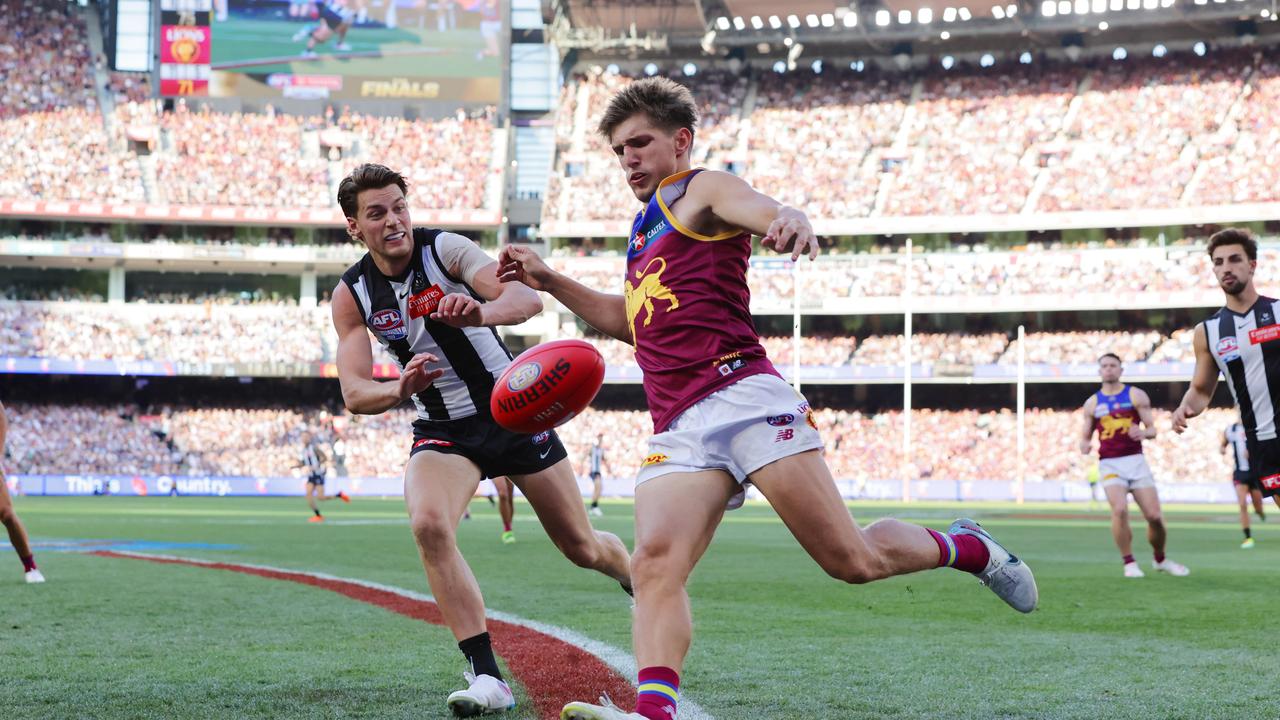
(785, 434)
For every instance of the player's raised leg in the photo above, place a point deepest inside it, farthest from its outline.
(437, 489)
(801, 490)
(1148, 501)
(553, 494)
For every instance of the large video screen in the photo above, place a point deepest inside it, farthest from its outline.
(358, 49)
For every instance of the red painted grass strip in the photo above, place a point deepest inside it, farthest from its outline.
(552, 671)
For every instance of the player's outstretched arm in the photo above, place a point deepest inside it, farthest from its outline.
(360, 392)
(1086, 438)
(735, 203)
(505, 303)
(603, 311)
(1203, 383)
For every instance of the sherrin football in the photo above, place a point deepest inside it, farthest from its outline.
(547, 385)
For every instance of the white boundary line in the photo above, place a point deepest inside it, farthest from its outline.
(620, 660)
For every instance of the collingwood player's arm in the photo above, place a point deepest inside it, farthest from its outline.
(360, 392)
(504, 303)
(1203, 383)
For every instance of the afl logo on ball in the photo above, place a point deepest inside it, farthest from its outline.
(524, 376)
(388, 324)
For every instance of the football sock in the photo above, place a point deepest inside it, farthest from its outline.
(1247, 533)
(479, 652)
(316, 511)
(595, 503)
(1159, 557)
(28, 563)
(962, 552)
(1127, 559)
(506, 526)
(657, 693)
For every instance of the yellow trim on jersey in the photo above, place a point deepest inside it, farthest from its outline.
(671, 218)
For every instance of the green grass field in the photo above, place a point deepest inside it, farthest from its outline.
(116, 638)
(409, 51)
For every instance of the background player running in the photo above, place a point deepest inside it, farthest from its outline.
(433, 300)
(313, 460)
(723, 416)
(1243, 479)
(1242, 342)
(1121, 415)
(597, 466)
(17, 533)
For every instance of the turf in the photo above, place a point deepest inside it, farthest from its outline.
(108, 638)
(449, 54)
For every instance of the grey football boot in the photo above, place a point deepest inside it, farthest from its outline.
(1006, 575)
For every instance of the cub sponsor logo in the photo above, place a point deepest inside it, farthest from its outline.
(389, 324)
(654, 459)
(432, 441)
(524, 376)
(425, 302)
(781, 420)
(1229, 348)
(1259, 336)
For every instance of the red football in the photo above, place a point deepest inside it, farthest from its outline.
(547, 386)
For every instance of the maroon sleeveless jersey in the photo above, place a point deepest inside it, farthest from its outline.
(689, 307)
(1112, 417)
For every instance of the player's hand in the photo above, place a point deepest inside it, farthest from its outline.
(416, 377)
(791, 231)
(1137, 433)
(1180, 417)
(517, 263)
(1086, 447)
(459, 310)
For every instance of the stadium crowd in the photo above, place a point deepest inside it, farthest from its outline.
(966, 445)
(1103, 134)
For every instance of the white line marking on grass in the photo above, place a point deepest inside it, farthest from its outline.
(620, 660)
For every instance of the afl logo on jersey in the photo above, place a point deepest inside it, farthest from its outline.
(1229, 349)
(524, 376)
(389, 324)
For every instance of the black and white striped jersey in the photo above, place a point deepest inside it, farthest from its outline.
(1238, 440)
(1246, 347)
(397, 312)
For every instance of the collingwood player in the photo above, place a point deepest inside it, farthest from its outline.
(1241, 341)
(433, 300)
(1243, 478)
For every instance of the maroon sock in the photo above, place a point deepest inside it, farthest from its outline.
(1127, 559)
(28, 563)
(1159, 557)
(962, 552)
(657, 693)
(506, 526)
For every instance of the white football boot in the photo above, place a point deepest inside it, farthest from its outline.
(34, 576)
(1171, 567)
(606, 710)
(1132, 570)
(1007, 576)
(486, 695)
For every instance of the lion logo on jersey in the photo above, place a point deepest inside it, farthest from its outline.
(1112, 425)
(649, 288)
